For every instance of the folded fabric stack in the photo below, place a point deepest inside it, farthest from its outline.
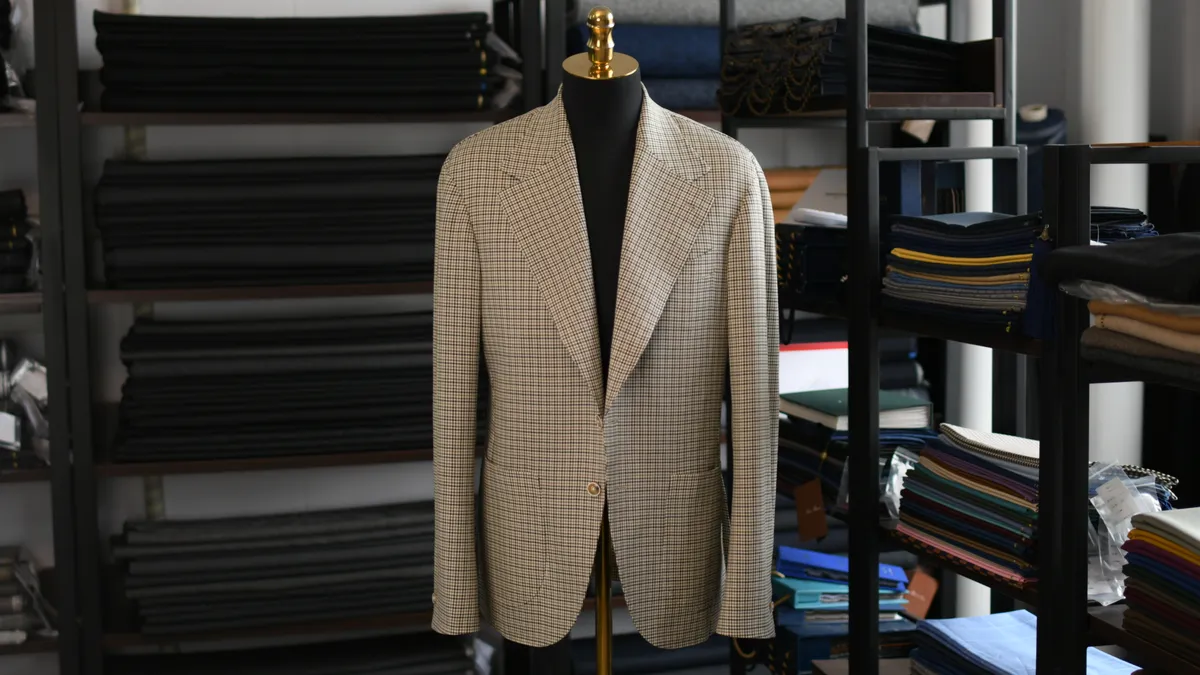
(798, 66)
(992, 644)
(812, 593)
(1145, 299)
(633, 655)
(268, 221)
(24, 611)
(229, 389)
(972, 267)
(340, 64)
(892, 13)
(973, 498)
(1111, 224)
(231, 574)
(419, 654)
(16, 244)
(1162, 585)
(812, 264)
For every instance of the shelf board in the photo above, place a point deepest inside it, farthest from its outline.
(168, 468)
(25, 475)
(146, 119)
(1025, 595)
(17, 119)
(1098, 373)
(117, 296)
(35, 644)
(380, 624)
(21, 303)
(842, 667)
(1107, 623)
(885, 106)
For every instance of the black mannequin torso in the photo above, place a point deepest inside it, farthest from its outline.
(603, 117)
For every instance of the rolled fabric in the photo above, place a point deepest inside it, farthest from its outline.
(1183, 324)
(662, 51)
(891, 13)
(1184, 342)
(791, 179)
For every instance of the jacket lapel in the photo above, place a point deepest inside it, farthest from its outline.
(545, 212)
(666, 212)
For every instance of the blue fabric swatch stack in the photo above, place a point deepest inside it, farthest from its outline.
(973, 267)
(681, 65)
(1112, 224)
(996, 644)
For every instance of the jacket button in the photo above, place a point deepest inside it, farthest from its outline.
(594, 489)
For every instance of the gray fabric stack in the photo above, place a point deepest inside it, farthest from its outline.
(890, 13)
(230, 574)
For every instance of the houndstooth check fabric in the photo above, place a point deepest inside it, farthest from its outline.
(696, 292)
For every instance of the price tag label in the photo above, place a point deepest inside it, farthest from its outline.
(810, 510)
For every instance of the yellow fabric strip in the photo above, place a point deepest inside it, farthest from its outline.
(906, 254)
(996, 280)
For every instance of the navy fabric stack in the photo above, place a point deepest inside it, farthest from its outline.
(1112, 224)
(971, 267)
(680, 65)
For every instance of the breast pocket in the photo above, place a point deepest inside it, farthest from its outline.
(514, 534)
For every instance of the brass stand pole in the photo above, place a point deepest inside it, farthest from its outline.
(604, 600)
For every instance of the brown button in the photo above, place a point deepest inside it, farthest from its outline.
(593, 489)
(435, 598)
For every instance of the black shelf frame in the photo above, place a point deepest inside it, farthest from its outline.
(80, 467)
(1068, 197)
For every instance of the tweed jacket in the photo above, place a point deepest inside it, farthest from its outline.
(696, 294)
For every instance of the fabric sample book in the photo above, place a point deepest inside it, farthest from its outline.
(696, 297)
(267, 221)
(1162, 591)
(1166, 267)
(334, 64)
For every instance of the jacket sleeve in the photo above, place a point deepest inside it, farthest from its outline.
(753, 334)
(456, 342)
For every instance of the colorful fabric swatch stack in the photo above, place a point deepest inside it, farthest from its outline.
(993, 644)
(1162, 587)
(972, 267)
(974, 498)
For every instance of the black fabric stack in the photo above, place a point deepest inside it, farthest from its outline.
(235, 389)
(268, 221)
(16, 246)
(791, 67)
(422, 654)
(245, 573)
(353, 64)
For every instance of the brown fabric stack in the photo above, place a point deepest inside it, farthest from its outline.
(787, 188)
(1135, 335)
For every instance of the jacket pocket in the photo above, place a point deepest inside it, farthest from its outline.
(514, 535)
(694, 523)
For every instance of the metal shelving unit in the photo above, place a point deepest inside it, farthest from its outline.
(1068, 194)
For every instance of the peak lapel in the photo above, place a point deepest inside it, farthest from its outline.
(545, 212)
(666, 212)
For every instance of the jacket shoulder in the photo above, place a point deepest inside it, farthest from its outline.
(722, 154)
(487, 149)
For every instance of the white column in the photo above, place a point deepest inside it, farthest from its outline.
(969, 368)
(1115, 107)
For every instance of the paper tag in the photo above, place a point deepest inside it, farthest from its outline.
(1119, 503)
(10, 431)
(483, 657)
(810, 510)
(922, 589)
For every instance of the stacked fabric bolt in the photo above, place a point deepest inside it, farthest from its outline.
(352, 64)
(1112, 224)
(972, 267)
(1145, 298)
(268, 221)
(799, 66)
(418, 654)
(973, 497)
(229, 389)
(992, 644)
(1162, 587)
(231, 574)
(16, 245)
(787, 188)
(892, 13)
(24, 611)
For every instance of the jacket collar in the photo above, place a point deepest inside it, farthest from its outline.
(666, 210)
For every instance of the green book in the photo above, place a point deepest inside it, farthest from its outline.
(831, 408)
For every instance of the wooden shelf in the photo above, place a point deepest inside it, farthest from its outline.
(21, 303)
(114, 296)
(140, 119)
(1107, 623)
(842, 667)
(25, 475)
(1027, 595)
(1099, 373)
(115, 469)
(33, 645)
(371, 624)
(17, 119)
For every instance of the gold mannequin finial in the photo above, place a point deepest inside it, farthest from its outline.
(600, 62)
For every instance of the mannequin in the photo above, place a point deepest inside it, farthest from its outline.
(603, 116)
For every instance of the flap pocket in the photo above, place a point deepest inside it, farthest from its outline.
(514, 535)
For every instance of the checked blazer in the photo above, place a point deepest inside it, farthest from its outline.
(696, 294)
